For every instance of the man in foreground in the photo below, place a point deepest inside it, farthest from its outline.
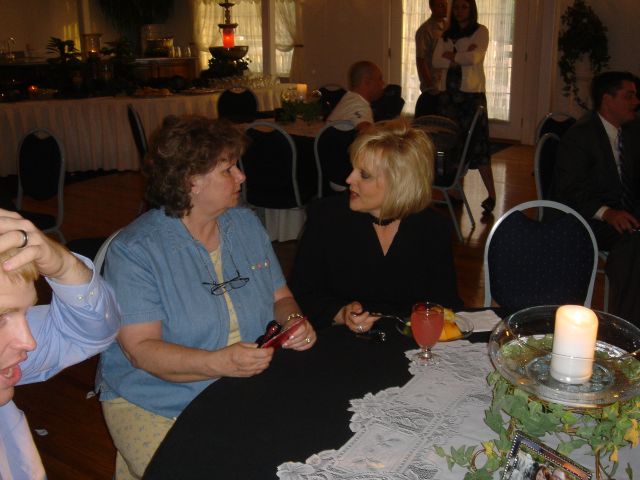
(597, 173)
(38, 342)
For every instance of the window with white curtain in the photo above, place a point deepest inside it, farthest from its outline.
(285, 33)
(499, 17)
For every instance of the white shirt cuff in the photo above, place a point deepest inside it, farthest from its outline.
(599, 215)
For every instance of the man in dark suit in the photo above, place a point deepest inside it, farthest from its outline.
(597, 173)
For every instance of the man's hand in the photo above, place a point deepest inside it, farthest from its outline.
(621, 220)
(50, 258)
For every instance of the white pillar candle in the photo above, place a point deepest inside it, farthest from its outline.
(574, 344)
(301, 88)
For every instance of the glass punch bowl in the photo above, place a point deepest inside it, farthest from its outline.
(520, 349)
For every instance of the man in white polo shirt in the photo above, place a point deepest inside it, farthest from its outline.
(365, 85)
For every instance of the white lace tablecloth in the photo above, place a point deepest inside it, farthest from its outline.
(395, 430)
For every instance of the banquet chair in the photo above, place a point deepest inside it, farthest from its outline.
(452, 181)
(98, 260)
(275, 179)
(389, 105)
(554, 122)
(331, 151)
(137, 130)
(41, 177)
(332, 93)
(529, 262)
(238, 105)
(425, 105)
(543, 165)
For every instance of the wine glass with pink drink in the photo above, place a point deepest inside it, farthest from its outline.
(427, 321)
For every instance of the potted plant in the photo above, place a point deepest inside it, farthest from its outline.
(583, 35)
(67, 69)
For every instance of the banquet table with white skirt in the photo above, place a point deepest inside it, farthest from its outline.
(95, 132)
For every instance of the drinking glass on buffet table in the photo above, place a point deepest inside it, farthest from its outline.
(350, 407)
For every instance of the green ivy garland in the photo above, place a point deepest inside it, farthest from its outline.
(583, 33)
(606, 430)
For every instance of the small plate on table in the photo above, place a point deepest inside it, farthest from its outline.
(403, 325)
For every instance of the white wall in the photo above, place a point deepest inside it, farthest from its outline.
(33, 22)
(339, 33)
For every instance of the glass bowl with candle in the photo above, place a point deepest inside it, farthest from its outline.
(569, 355)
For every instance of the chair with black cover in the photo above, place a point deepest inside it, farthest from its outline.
(331, 150)
(449, 177)
(389, 105)
(554, 122)
(98, 260)
(426, 105)
(137, 129)
(332, 93)
(543, 165)
(238, 105)
(275, 178)
(41, 177)
(529, 262)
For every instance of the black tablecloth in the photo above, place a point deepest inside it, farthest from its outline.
(243, 428)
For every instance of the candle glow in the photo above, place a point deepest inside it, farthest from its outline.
(228, 37)
(301, 90)
(574, 344)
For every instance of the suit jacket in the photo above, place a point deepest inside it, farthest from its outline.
(586, 176)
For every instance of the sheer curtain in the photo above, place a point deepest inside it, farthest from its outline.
(289, 49)
(207, 14)
(499, 17)
(414, 13)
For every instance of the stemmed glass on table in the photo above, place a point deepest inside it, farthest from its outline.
(427, 321)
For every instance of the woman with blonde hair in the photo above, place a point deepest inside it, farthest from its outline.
(379, 249)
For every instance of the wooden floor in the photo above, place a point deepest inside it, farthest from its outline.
(77, 444)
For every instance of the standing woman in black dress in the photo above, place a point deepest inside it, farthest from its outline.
(460, 52)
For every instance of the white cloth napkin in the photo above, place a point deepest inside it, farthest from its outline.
(483, 321)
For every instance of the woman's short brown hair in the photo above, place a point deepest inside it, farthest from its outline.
(184, 146)
(404, 155)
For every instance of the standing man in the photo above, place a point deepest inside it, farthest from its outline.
(597, 173)
(38, 342)
(365, 86)
(427, 36)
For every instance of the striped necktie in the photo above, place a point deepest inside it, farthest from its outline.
(625, 180)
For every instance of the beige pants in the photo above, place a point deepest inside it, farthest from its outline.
(136, 433)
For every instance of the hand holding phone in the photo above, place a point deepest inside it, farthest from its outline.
(275, 336)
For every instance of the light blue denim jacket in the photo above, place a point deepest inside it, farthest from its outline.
(157, 271)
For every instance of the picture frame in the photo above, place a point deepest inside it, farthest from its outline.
(530, 459)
